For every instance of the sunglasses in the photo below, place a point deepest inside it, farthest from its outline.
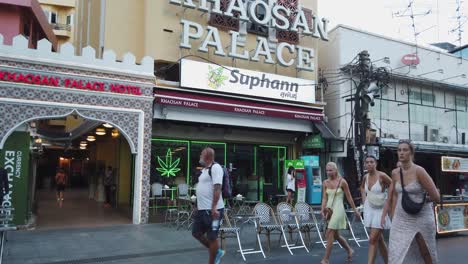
(402, 141)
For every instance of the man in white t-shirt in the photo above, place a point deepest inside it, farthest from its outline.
(210, 206)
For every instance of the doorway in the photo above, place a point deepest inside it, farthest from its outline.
(98, 166)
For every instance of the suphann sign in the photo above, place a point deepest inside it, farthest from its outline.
(274, 16)
(212, 77)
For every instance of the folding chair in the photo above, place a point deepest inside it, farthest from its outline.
(184, 212)
(308, 221)
(288, 219)
(360, 223)
(227, 230)
(266, 221)
(157, 195)
(183, 190)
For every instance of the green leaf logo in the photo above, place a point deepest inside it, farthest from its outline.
(216, 77)
(168, 168)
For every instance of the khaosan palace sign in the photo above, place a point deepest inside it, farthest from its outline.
(275, 16)
(212, 77)
(71, 83)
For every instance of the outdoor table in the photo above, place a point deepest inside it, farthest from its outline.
(280, 197)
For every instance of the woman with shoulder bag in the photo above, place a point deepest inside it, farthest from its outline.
(334, 188)
(373, 187)
(413, 231)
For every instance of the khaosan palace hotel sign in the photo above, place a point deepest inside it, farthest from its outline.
(232, 80)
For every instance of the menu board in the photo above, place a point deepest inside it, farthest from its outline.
(454, 164)
(452, 218)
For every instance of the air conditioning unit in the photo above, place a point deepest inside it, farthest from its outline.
(434, 135)
(444, 139)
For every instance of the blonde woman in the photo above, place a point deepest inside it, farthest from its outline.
(373, 188)
(334, 189)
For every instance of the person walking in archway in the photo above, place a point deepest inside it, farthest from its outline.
(60, 181)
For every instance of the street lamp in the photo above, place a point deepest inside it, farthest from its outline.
(460, 75)
(441, 71)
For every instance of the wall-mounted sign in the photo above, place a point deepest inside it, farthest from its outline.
(454, 164)
(216, 78)
(452, 218)
(276, 16)
(410, 59)
(313, 142)
(72, 83)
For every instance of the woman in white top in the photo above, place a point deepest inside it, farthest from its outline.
(291, 186)
(373, 187)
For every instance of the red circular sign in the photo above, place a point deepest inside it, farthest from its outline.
(410, 59)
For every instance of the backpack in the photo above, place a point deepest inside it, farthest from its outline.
(226, 187)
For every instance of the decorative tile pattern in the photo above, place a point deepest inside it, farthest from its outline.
(14, 114)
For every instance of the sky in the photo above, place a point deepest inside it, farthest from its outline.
(382, 17)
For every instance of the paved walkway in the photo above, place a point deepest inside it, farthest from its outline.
(153, 243)
(160, 243)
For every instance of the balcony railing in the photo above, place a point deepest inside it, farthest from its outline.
(61, 27)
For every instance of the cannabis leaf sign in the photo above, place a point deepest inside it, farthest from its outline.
(168, 168)
(216, 77)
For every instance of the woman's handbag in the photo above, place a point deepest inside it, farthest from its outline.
(409, 205)
(376, 200)
(328, 210)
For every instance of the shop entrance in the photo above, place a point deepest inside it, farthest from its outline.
(97, 163)
(257, 171)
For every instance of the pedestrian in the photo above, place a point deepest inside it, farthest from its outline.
(335, 187)
(291, 186)
(4, 185)
(108, 181)
(412, 234)
(210, 206)
(60, 182)
(373, 187)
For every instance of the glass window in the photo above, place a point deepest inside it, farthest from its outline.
(169, 161)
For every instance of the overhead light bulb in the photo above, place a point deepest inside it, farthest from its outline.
(82, 147)
(100, 131)
(91, 138)
(115, 133)
(107, 125)
(38, 140)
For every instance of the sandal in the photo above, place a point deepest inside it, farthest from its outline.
(349, 259)
(324, 261)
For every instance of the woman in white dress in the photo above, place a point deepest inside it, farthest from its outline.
(373, 194)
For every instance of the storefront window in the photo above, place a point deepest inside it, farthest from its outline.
(256, 170)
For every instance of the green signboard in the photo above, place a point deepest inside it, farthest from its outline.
(14, 157)
(297, 164)
(313, 142)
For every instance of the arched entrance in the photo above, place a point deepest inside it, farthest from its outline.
(96, 158)
(37, 84)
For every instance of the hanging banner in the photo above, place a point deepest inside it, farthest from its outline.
(14, 158)
(454, 164)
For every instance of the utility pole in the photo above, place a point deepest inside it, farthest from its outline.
(370, 83)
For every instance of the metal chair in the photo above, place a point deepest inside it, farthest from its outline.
(157, 195)
(265, 221)
(183, 190)
(184, 212)
(288, 219)
(308, 222)
(353, 232)
(227, 230)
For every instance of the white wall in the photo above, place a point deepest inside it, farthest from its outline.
(345, 43)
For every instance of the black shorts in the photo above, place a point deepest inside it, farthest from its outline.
(202, 224)
(60, 187)
(290, 190)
